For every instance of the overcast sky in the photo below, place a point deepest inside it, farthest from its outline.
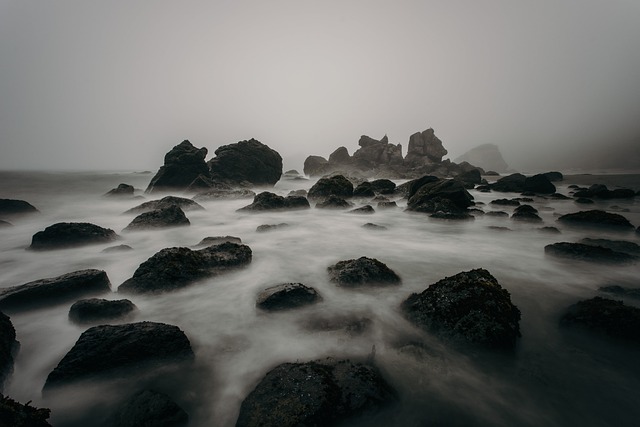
(115, 84)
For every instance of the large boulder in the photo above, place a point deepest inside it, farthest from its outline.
(526, 213)
(165, 202)
(122, 190)
(430, 197)
(333, 202)
(336, 185)
(148, 408)
(424, 148)
(539, 184)
(286, 296)
(8, 345)
(383, 186)
(267, 201)
(340, 156)
(65, 235)
(315, 166)
(128, 346)
(15, 414)
(364, 189)
(616, 245)
(182, 165)
(171, 216)
(246, 162)
(363, 271)
(94, 310)
(487, 156)
(605, 316)
(596, 218)
(469, 307)
(374, 154)
(54, 290)
(174, 268)
(513, 183)
(582, 252)
(318, 393)
(11, 207)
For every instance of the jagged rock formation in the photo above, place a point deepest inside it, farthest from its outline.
(424, 148)
(486, 156)
(182, 165)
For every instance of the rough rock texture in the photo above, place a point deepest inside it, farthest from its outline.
(246, 162)
(14, 414)
(362, 272)
(616, 245)
(364, 189)
(600, 191)
(96, 310)
(271, 227)
(582, 252)
(469, 307)
(424, 148)
(448, 195)
(374, 154)
(287, 296)
(55, 290)
(410, 188)
(472, 176)
(526, 213)
(224, 192)
(605, 316)
(182, 165)
(383, 186)
(336, 185)
(334, 202)
(315, 166)
(513, 183)
(165, 202)
(621, 291)
(65, 235)
(596, 218)
(8, 344)
(217, 240)
(128, 346)
(122, 190)
(487, 156)
(11, 207)
(148, 408)
(172, 216)
(319, 393)
(174, 268)
(340, 156)
(387, 205)
(270, 201)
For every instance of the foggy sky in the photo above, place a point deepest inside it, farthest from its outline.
(116, 84)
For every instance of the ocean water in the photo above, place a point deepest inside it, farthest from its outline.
(554, 378)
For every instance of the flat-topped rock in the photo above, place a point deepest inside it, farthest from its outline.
(362, 271)
(64, 235)
(596, 218)
(94, 310)
(245, 162)
(171, 216)
(267, 201)
(286, 296)
(165, 202)
(336, 185)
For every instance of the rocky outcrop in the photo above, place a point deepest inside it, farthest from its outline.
(383, 186)
(271, 227)
(172, 216)
(340, 157)
(539, 184)
(582, 252)
(319, 393)
(267, 201)
(64, 235)
(446, 195)
(287, 296)
(94, 310)
(605, 316)
(469, 307)
(554, 176)
(132, 345)
(600, 191)
(182, 165)
(148, 408)
(364, 189)
(526, 213)
(15, 414)
(11, 207)
(54, 290)
(616, 245)
(486, 156)
(621, 291)
(374, 154)
(363, 271)
(315, 166)
(217, 240)
(8, 345)
(513, 183)
(122, 190)
(333, 202)
(165, 202)
(175, 268)
(336, 185)
(246, 163)
(596, 218)
(424, 148)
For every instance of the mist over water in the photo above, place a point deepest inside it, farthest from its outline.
(555, 377)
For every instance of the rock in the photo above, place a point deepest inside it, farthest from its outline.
(301, 192)
(175, 268)
(596, 218)
(119, 248)
(424, 148)
(549, 230)
(558, 196)
(182, 165)
(601, 191)
(129, 346)
(539, 184)
(166, 202)
(271, 227)
(225, 192)
(581, 252)
(584, 201)
(65, 235)
(387, 205)
(469, 307)
(497, 228)
(383, 186)
(54, 290)
(340, 156)
(318, 393)
(172, 216)
(11, 207)
(217, 240)
(334, 202)
(526, 213)
(96, 310)
(487, 156)
(450, 214)
(372, 226)
(554, 176)
(513, 183)
(336, 185)
(364, 190)
(505, 202)
(621, 291)
(149, 408)
(362, 272)
(605, 316)
(366, 209)
(14, 414)
(315, 166)
(472, 176)
(447, 195)
(374, 154)
(123, 190)
(4, 224)
(496, 213)
(616, 245)
(270, 201)
(292, 172)
(8, 346)
(408, 189)
(287, 296)
(246, 161)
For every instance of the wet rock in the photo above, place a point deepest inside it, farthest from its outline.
(11, 207)
(65, 235)
(498, 228)
(364, 190)
(496, 213)
(505, 202)
(605, 316)
(424, 148)
(601, 191)
(118, 248)
(558, 196)
(148, 408)
(292, 172)
(166, 202)
(122, 190)
(616, 245)
(271, 227)
(225, 192)
(94, 310)
(448, 214)
(513, 183)
(383, 186)
(336, 185)
(270, 201)
(182, 165)
(621, 291)
(172, 216)
(554, 176)
(362, 272)
(409, 188)
(447, 195)
(315, 393)
(287, 296)
(54, 290)
(549, 230)
(15, 414)
(539, 184)
(366, 209)
(372, 226)
(374, 154)
(584, 201)
(217, 240)
(175, 268)
(469, 307)
(340, 156)
(472, 176)
(334, 202)
(526, 213)
(246, 162)
(596, 218)
(315, 166)
(8, 345)
(129, 346)
(387, 205)
(582, 252)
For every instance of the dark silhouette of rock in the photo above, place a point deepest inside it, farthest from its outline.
(410, 188)
(334, 202)
(148, 408)
(584, 201)
(605, 316)
(596, 218)
(224, 192)
(271, 227)
(246, 162)
(505, 202)
(300, 192)
(424, 148)
(362, 272)
(14, 414)
(336, 185)
(318, 393)
(621, 291)
(122, 190)
(128, 346)
(165, 202)
(487, 156)
(559, 196)
(8, 345)
(270, 201)
(364, 190)
(340, 156)
(315, 166)
(372, 226)
(383, 186)
(447, 212)
(374, 154)
(526, 213)
(447, 195)
(387, 205)
(171, 216)
(286, 296)
(549, 230)
(118, 248)
(582, 252)
(217, 240)
(54, 290)
(554, 176)
(496, 213)
(469, 307)
(472, 176)
(174, 268)
(600, 191)
(513, 183)
(616, 245)
(94, 310)
(539, 184)
(11, 207)
(65, 235)
(182, 165)
(366, 209)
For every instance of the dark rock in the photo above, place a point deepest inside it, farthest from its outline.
(558, 196)
(246, 161)
(539, 184)
(526, 213)
(302, 193)
(372, 226)
(315, 166)
(149, 408)
(582, 252)
(364, 190)
(270, 201)
(449, 193)
(469, 307)
(54, 290)
(601, 191)
(172, 216)
(128, 346)
(472, 176)
(71, 234)
(292, 172)
(217, 240)
(11, 207)
(505, 202)
(362, 272)
(380, 198)
(424, 148)
(448, 214)
(334, 202)
(119, 248)
(621, 291)
(14, 414)
(487, 156)
(383, 186)
(366, 209)
(616, 245)
(622, 193)
(513, 183)
(8, 345)
(175, 268)
(497, 228)
(287, 296)
(550, 230)
(4, 224)
(336, 185)
(496, 213)
(123, 190)
(319, 393)
(225, 192)
(271, 227)
(476, 211)
(596, 218)
(374, 154)
(584, 201)
(165, 202)
(340, 156)
(387, 205)
(95, 310)
(410, 188)
(554, 176)
(182, 165)
(605, 316)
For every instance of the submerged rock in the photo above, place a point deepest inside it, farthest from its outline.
(122, 190)
(616, 245)
(15, 414)
(131, 345)
(224, 193)
(95, 310)
(172, 216)
(271, 227)
(148, 408)
(469, 307)
(118, 248)
(582, 252)
(8, 345)
(605, 316)
(336, 185)
(334, 202)
(217, 240)
(65, 235)
(270, 201)
(387, 205)
(596, 218)
(165, 202)
(366, 209)
(11, 207)
(286, 296)
(447, 195)
(372, 226)
(362, 272)
(621, 291)
(505, 202)
(315, 393)
(244, 162)
(526, 213)
(183, 164)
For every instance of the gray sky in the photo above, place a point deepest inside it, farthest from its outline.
(115, 84)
